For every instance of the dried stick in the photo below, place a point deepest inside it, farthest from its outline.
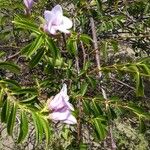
(79, 125)
(97, 57)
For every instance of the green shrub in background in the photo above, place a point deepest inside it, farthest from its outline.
(104, 61)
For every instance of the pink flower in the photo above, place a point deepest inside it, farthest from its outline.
(61, 108)
(56, 21)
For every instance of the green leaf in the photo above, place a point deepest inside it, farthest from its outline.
(86, 107)
(46, 128)
(96, 109)
(29, 100)
(83, 146)
(10, 66)
(23, 127)
(91, 80)
(36, 44)
(115, 45)
(139, 85)
(38, 127)
(111, 113)
(52, 47)
(104, 48)
(145, 68)
(32, 47)
(1, 97)
(99, 5)
(5, 111)
(84, 87)
(100, 128)
(72, 46)
(2, 54)
(25, 23)
(11, 119)
(36, 58)
(138, 111)
(142, 126)
(85, 39)
(10, 83)
(25, 49)
(26, 91)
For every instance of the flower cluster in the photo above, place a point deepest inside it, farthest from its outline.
(54, 19)
(61, 108)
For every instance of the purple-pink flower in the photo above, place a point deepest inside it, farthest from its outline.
(61, 108)
(28, 4)
(56, 21)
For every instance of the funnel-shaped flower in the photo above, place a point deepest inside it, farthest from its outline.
(56, 21)
(61, 108)
(28, 4)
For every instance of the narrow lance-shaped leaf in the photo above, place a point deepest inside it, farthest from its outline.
(46, 128)
(1, 97)
(72, 46)
(142, 125)
(52, 47)
(114, 45)
(25, 49)
(25, 23)
(85, 39)
(104, 48)
(84, 87)
(29, 100)
(138, 110)
(100, 128)
(86, 107)
(10, 83)
(99, 6)
(5, 110)
(139, 85)
(2, 54)
(10, 66)
(38, 127)
(25, 91)
(96, 109)
(11, 119)
(145, 69)
(23, 127)
(36, 44)
(35, 59)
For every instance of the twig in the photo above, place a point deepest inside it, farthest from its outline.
(125, 84)
(83, 51)
(13, 56)
(97, 57)
(79, 125)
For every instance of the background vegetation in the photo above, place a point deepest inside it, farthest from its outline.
(104, 61)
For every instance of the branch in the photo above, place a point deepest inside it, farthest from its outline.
(97, 57)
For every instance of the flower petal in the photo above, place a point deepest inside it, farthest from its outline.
(57, 10)
(67, 23)
(60, 101)
(69, 105)
(64, 89)
(28, 3)
(52, 30)
(57, 102)
(60, 115)
(48, 15)
(70, 120)
(63, 29)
